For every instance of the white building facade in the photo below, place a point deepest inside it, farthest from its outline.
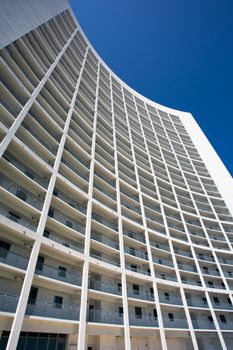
(116, 227)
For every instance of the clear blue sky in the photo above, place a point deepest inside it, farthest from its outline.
(176, 52)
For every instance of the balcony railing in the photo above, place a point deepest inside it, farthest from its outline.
(13, 259)
(60, 275)
(66, 243)
(197, 302)
(106, 259)
(163, 262)
(53, 310)
(226, 325)
(143, 320)
(8, 302)
(140, 294)
(101, 316)
(203, 324)
(138, 270)
(105, 240)
(175, 323)
(104, 286)
(104, 221)
(136, 253)
(170, 300)
(135, 236)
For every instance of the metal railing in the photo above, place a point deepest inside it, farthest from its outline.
(13, 259)
(203, 324)
(105, 240)
(101, 316)
(140, 294)
(104, 286)
(175, 323)
(137, 253)
(53, 310)
(66, 243)
(8, 302)
(171, 299)
(60, 275)
(143, 320)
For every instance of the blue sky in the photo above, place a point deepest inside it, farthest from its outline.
(176, 52)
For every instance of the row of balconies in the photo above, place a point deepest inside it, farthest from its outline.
(138, 316)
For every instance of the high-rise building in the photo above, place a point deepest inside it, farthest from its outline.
(116, 226)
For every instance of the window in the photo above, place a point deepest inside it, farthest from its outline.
(205, 269)
(5, 157)
(130, 234)
(21, 195)
(121, 311)
(32, 295)
(40, 263)
(160, 261)
(163, 276)
(132, 251)
(155, 314)
(210, 318)
(119, 287)
(229, 301)
(210, 283)
(29, 173)
(12, 216)
(4, 248)
(134, 268)
(55, 192)
(216, 300)
(51, 213)
(69, 223)
(229, 273)
(62, 272)
(152, 291)
(171, 316)
(167, 297)
(46, 233)
(222, 318)
(135, 289)
(138, 312)
(57, 301)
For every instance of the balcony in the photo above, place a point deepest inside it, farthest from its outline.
(106, 259)
(183, 252)
(65, 242)
(143, 321)
(137, 269)
(140, 294)
(174, 323)
(203, 324)
(197, 302)
(136, 253)
(171, 299)
(162, 261)
(60, 275)
(8, 302)
(109, 242)
(52, 310)
(101, 316)
(104, 221)
(135, 236)
(104, 286)
(186, 267)
(160, 246)
(13, 259)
